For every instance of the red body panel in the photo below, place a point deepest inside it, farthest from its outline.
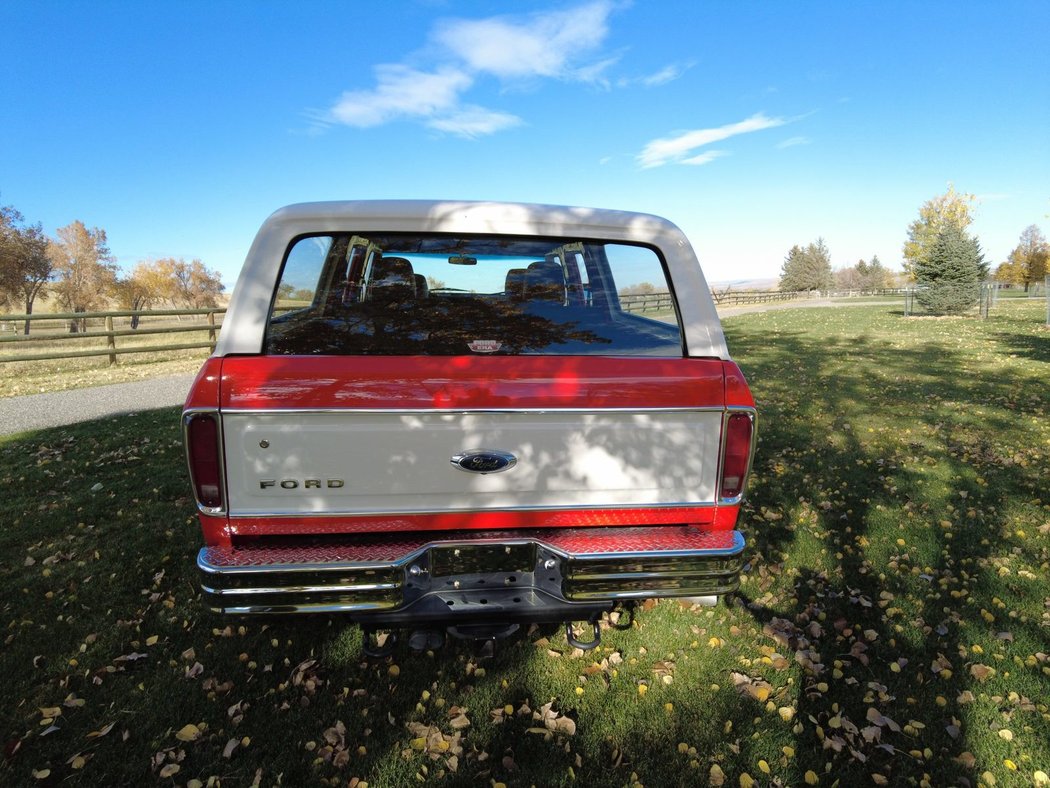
(471, 382)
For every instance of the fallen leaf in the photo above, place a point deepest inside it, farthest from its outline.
(101, 732)
(189, 732)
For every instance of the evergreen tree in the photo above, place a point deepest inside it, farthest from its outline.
(807, 269)
(949, 277)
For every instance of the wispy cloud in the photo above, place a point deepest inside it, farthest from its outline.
(474, 122)
(791, 142)
(705, 158)
(549, 45)
(401, 92)
(545, 44)
(666, 74)
(679, 149)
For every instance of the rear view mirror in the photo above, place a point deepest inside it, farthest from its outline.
(460, 260)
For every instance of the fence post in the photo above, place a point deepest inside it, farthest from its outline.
(211, 330)
(111, 341)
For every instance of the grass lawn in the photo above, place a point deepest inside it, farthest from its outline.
(893, 627)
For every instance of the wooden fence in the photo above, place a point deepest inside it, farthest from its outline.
(104, 325)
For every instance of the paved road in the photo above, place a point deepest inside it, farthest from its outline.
(40, 411)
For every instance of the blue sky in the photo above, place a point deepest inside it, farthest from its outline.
(178, 127)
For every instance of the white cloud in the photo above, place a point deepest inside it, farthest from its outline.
(545, 44)
(474, 122)
(553, 45)
(791, 142)
(678, 149)
(666, 74)
(705, 158)
(401, 92)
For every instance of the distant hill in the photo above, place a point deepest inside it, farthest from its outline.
(745, 284)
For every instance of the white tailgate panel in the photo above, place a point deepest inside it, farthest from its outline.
(390, 462)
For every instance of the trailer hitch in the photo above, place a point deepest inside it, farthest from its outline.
(569, 636)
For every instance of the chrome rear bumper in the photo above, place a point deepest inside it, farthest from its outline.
(552, 575)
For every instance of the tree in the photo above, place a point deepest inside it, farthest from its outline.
(145, 286)
(949, 276)
(950, 209)
(878, 276)
(25, 267)
(190, 284)
(864, 276)
(1027, 263)
(85, 273)
(807, 269)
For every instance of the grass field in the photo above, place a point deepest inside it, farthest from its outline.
(893, 626)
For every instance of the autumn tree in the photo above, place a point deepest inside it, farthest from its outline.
(948, 278)
(85, 273)
(807, 269)
(144, 287)
(950, 209)
(25, 267)
(192, 285)
(1028, 262)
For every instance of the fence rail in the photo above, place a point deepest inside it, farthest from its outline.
(109, 332)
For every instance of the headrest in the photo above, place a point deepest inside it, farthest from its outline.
(391, 277)
(422, 288)
(514, 286)
(545, 281)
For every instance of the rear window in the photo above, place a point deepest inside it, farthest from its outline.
(411, 294)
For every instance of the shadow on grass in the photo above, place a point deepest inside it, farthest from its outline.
(893, 536)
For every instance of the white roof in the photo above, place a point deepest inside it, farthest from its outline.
(245, 323)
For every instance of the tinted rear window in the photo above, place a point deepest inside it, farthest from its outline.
(411, 294)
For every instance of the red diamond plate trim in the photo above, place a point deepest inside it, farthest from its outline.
(581, 542)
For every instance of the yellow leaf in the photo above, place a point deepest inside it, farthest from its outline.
(811, 778)
(788, 751)
(717, 777)
(189, 732)
(43, 774)
(1010, 765)
(78, 762)
(1040, 779)
(878, 779)
(169, 771)
(1006, 734)
(763, 767)
(746, 781)
(152, 640)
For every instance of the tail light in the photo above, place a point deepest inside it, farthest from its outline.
(203, 450)
(737, 456)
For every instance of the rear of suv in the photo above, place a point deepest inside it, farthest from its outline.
(453, 416)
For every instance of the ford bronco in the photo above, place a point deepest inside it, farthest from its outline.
(444, 416)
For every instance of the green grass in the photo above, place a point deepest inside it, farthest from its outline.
(899, 523)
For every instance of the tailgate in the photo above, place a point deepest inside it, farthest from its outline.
(373, 436)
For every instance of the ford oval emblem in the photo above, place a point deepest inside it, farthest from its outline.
(484, 461)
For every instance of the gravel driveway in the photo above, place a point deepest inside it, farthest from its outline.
(40, 411)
